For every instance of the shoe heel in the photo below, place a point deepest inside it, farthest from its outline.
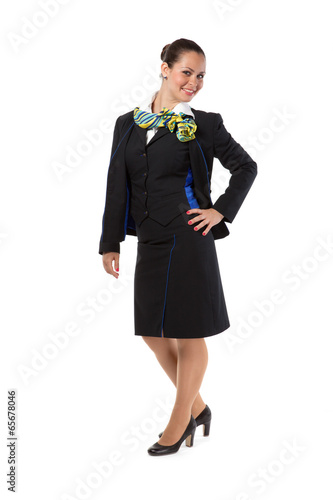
(206, 429)
(190, 439)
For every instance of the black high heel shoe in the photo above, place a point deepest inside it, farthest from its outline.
(158, 449)
(204, 418)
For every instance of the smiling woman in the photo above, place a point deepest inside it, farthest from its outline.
(158, 189)
(186, 61)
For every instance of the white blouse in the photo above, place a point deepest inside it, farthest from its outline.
(180, 107)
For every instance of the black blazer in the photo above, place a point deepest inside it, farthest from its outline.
(211, 140)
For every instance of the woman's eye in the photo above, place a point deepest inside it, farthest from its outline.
(188, 73)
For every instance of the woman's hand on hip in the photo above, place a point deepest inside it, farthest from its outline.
(110, 258)
(207, 217)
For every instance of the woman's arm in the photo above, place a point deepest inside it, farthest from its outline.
(241, 166)
(113, 203)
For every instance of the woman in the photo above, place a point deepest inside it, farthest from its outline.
(158, 188)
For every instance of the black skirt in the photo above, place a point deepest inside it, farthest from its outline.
(177, 284)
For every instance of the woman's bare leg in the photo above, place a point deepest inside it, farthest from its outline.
(191, 364)
(166, 352)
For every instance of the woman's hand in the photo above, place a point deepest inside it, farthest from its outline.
(108, 259)
(208, 216)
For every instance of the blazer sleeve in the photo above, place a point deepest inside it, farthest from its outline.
(241, 166)
(106, 245)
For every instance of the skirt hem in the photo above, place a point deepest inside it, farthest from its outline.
(195, 337)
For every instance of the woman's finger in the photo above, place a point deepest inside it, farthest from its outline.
(202, 224)
(208, 228)
(116, 263)
(197, 218)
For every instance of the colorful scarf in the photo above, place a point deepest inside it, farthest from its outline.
(186, 126)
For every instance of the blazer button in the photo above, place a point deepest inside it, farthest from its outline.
(144, 154)
(145, 192)
(145, 212)
(145, 173)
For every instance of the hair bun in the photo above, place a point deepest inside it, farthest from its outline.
(165, 48)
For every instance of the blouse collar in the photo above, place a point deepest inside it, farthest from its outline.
(180, 107)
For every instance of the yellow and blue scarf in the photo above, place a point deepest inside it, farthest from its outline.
(186, 126)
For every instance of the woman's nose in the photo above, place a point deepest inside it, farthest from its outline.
(193, 81)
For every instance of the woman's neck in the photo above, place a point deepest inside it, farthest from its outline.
(163, 101)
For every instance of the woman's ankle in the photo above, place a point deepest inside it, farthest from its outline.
(198, 407)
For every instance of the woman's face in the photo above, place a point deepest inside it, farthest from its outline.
(185, 79)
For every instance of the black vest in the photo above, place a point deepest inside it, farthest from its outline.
(160, 178)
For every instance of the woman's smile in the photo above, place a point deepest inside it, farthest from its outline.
(188, 91)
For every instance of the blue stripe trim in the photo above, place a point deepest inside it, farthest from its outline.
(123, 137)
(206, 169)
(108, 174)
(127, 208)
(166, 286)
(193, 202)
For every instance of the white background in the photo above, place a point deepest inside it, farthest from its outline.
(269, 387)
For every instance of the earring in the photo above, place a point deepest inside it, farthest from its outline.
(165, 78)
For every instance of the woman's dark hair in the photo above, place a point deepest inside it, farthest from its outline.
(172, 52)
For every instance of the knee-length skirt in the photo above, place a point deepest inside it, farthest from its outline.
(178, 291)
